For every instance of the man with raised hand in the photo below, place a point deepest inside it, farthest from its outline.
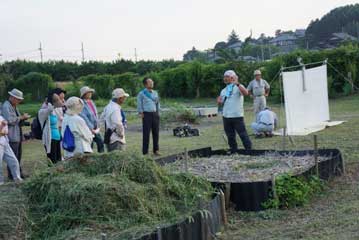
(231, 98)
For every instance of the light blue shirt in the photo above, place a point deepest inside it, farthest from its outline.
(146, 104)
(233, 106)
(267, 117)
(55, 133)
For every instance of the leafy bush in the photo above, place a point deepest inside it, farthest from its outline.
(34, 85)
(294, 191)
(178, 114)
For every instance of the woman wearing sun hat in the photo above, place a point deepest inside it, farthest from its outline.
(90, 115)
(82, 134)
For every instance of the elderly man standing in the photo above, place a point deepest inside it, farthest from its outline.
(90, 115)
(148, 107)
(15, 121)
(259, 90)
(231, 98)
(111, 117)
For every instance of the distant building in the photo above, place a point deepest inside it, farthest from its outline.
(300, 33)
(236, 46)
(287, 42)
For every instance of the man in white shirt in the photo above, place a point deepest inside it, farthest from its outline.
(231, 98)
(111, 118)
(265, 123)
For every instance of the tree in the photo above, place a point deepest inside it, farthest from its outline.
(34, 85)
(233, 38)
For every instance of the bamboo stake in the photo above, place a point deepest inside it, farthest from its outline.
(186, 159)
(223, 208)
(227, 192)
(159, 233)
(275, 196)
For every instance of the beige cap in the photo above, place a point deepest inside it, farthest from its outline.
(74, 105)
(257, 72)
(16, 93)
(85, 90)
(119, 92)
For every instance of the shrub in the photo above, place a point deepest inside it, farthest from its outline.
(34, 85)
(294, 191)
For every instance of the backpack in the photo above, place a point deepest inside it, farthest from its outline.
(68, 142)
(36, 129)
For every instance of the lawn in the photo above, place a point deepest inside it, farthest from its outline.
(333, 214)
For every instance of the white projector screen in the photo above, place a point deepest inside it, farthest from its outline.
(306, 108)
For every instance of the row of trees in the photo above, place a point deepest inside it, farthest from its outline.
(196, 79)
(69, 71)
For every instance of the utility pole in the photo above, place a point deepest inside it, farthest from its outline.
(41, 55)
(135, 55)
(82, 52)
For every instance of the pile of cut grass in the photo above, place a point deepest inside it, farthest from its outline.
(123, 195)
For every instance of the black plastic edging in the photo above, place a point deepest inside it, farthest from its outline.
(203, 225)
(249, 196)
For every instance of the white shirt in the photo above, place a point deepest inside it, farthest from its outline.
(267, 117)
(233, 106)
(83, 135)
(111, 115)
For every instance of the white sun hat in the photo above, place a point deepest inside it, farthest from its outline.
(16, 93)
(257, 72)
(74, 105)
(85, 90)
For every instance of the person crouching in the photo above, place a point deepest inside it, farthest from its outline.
(265, 123)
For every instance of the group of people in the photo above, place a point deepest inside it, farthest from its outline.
(72, 126)
(231, 99)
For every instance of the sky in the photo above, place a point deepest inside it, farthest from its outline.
(157, 29)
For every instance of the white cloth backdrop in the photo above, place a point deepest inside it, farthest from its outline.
(306, 111)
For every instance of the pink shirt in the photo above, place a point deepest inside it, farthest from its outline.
(92, 107)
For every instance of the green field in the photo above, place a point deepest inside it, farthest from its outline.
(333, 214)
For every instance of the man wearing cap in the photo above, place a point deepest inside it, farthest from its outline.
(90, 115)
(231, 98)
(15, 121)
(259, 90)
(111, 117)
(148, 107)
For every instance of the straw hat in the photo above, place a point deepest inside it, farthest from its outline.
(85, 90)
(74, 105)
(119, 92)
(16, 93)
